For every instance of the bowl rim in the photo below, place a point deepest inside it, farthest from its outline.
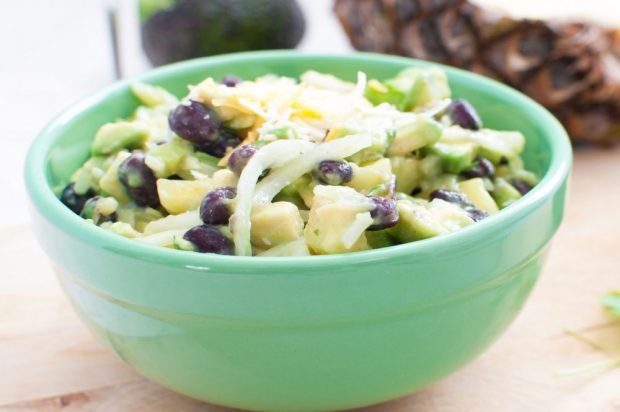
(48, 205)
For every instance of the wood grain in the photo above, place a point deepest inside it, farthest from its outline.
(49, 362)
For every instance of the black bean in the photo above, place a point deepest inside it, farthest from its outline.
(215, 206)
(450, 196)
(462, 113)
(240, 157)
(73, 200)
(384, 213)
(209, 239)
(476, 214)
(230, 80)
(334, 172)
(225, 140)
(195, 122)
(139, 180)
(484, 168)
(89, 211)
(521, 186)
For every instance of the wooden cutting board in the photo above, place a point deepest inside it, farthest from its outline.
(49, 362)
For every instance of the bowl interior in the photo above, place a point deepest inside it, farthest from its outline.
(498, 106)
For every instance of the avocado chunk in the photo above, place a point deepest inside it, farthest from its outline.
(112, 137)
(174, 30)
(415, 222)
(407, 172)
(420, 219)
(504, 193)
(166, 159)
(304, 186)
(153, 96)
(379, 238)
(477, 193)
(419, 132)
(411, 89)
(492, 144)
(455, 157)
(276, 223)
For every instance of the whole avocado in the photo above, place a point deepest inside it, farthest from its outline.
(174, 30)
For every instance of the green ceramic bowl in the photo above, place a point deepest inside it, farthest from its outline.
(304, 333)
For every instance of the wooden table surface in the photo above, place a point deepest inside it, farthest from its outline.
(49, 362)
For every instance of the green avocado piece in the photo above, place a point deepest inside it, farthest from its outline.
(183, 29)
(414, 135)
(411, 89)
(112, 137)
(504, 193)
(290, 194)
(377, 93)
(379, 238)
(407, 171)
(153, 96)
(165, 159)
(455, 157)
(415, 222)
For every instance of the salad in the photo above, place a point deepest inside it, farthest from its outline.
(278, 166)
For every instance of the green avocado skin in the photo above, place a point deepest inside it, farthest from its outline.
(185, 29)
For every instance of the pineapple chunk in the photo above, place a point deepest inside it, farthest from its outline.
(338, 220)
(178, 196)
(224, 178)
(275, 224)
(374, 177)
(476, 192)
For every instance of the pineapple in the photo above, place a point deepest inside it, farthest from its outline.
(571, 68)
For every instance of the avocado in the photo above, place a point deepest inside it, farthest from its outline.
(407, 172)
(455, 157)
(304, 186)
(153, 96)
(165, 159)
(504, 193)
(290, 194)
(174, 30)
(379, 238)
(492, 144)
(420, 219)
(112, 137)
(411, 89)
(419, 132)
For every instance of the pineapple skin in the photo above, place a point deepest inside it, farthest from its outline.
(572, 68)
